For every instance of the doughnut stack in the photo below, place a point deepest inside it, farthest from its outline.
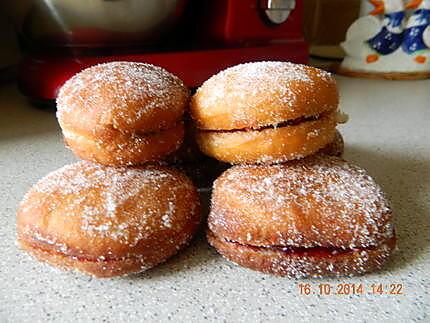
(118, 211)
(290, 206)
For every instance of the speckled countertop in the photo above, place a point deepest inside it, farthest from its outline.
(388, 134)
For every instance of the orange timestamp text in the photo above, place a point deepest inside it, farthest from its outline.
(327, 289)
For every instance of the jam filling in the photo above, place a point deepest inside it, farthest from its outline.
(53, 250)
(293, 122)
(314, 251)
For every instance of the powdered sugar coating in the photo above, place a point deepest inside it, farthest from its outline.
(260, 77)
(116, 148)
(319, 201)
(120, 204)
(262, 93)
(122, 95)
(270, 145)
(303, 264)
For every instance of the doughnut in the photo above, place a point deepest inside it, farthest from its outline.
(336, 147)
(265, 112)
(122, 113)
(315, 217)
(108, 221)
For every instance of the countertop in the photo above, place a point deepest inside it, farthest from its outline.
(388, 134)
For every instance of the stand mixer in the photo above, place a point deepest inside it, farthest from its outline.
(192, 39)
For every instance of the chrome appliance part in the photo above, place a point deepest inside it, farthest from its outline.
(94, 23)
(277, 11)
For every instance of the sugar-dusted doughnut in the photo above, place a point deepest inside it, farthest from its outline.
(265, 112)
(320, 216)
(108, 221)
(122, 113)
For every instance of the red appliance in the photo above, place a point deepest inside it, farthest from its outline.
(210, 36)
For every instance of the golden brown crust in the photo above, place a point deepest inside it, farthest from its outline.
(98, 268)
(301, 264)
(335, 147)
(270, 145)
(122, 113)
(318, 201)
(384, 75)
(258, 94)
(126, 96)
(130, 216)
(115, 148)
